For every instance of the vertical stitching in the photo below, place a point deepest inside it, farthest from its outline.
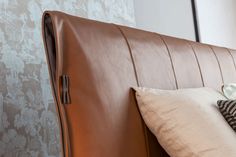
(145, 129)
(167, 48)
(194, 52)
(130, 51)
(217, 62)
(136, 75)
(231, 57)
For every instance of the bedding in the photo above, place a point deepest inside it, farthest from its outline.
(187, 122)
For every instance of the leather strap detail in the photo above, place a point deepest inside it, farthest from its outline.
(65, 94)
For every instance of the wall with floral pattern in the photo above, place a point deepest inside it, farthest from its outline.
(28, 123)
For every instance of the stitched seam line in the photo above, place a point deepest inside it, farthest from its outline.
(218, 63)
(131, 55)
(231, 57)
(171, 61)
(136, 76)
(194, 52)
(146, 138)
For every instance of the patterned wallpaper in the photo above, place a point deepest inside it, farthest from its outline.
(28, 123)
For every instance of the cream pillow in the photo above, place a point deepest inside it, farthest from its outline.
(187, 122)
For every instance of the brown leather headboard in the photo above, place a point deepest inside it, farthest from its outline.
(92, 67)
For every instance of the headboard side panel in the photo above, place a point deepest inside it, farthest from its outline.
(102, 119)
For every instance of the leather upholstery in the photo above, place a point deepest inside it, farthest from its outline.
(102, 62)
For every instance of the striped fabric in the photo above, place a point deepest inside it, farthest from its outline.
(228, 110)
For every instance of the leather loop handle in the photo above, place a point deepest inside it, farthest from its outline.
(65, 95)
